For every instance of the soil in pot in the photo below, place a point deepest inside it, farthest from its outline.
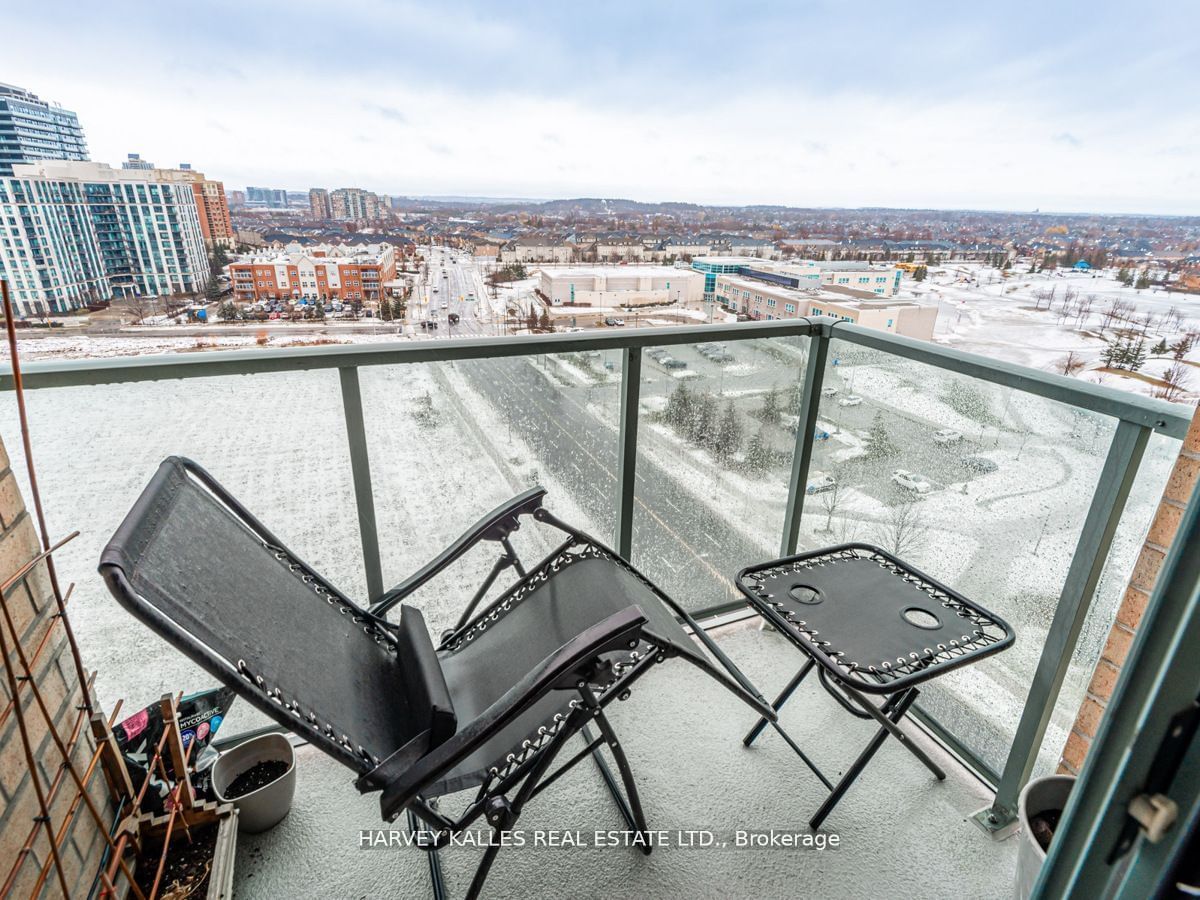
(1042, 827)
(257, 776)
(188, 865)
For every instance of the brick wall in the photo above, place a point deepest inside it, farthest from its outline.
(31, 604)
(1179, 490)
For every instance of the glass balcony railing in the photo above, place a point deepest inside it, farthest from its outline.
(695, 451)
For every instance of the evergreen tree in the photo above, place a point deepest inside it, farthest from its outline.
(879, 443)
(729, 435)
(758, 453)
(1143, 280)
(704, 418)
(385, 309)
(319, 310)
(771, 411)
(544, 321)
(1124, 276)
(1160, 348)
(679, 408)
(228, 312)
(212, 290)
(920, 272)
(1137, 356)
(1111, 354)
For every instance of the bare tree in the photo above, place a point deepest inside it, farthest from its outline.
(830, 501)
(1071, 363)
(1174, 382)
(141, 307)
(904, 532)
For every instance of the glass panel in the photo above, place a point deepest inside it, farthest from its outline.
(451, 441)
(715, 443)
(1127, 543)
(97, 447)
(983, 487)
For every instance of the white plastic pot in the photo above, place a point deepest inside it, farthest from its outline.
(1040, 795)
(265, 807)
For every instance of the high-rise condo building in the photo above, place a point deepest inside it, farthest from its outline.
(74, 232)
(32, 129)
(318, 204)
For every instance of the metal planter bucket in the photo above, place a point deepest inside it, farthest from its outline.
(1040, 795)
(266, 806)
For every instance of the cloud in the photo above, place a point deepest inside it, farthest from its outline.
(538, 99)
(387, 112)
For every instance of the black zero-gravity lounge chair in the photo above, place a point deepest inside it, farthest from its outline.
(489, 708)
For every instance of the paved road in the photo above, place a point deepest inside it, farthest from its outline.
(679, 542)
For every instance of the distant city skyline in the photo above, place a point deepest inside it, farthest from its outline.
(1067, 107)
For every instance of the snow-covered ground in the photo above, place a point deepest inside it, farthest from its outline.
(983, 311)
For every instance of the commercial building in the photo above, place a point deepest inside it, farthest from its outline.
(621, 286)
(324, 272)
(759, 299)
(73, 232)
(32, 129)
(883, 281)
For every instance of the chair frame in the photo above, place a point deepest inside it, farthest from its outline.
(578, 668)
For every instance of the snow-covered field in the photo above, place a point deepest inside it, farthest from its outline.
(981, 311)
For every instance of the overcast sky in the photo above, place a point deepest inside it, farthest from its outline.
(1052, 105)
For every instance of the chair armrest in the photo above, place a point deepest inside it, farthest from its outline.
(496, 525)
(613, 633)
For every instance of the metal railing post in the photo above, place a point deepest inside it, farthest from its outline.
(1091, 553)
(360, 471)
(631, 388)
(814, 375)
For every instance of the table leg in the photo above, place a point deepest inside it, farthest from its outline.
(779, 701)
(894, 709)
(895, 730)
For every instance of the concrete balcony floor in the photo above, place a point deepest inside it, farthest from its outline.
(902, 832)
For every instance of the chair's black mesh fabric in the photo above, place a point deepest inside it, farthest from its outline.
(575, 598)
(190, 558)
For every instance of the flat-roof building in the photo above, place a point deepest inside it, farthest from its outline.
(758, 299)
(621, 286)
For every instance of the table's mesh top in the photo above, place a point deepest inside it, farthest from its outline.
(870, 619)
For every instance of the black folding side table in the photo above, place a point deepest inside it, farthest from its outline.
(871, 624)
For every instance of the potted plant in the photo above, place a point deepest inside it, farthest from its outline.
(1038, 811)
(257, 776)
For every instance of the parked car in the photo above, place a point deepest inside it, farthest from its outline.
(828, 392)
(820, 434)
(912, 481)
(658, 354)
(453, 317)
(671, 363)
(445, 304)
(946, 437)
(610, 322)
(980, 464)
(274, 315)
(618, 322)
(852, 400)
(819, 483)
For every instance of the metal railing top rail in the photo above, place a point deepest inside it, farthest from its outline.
(1170, 419)
(206, 364)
